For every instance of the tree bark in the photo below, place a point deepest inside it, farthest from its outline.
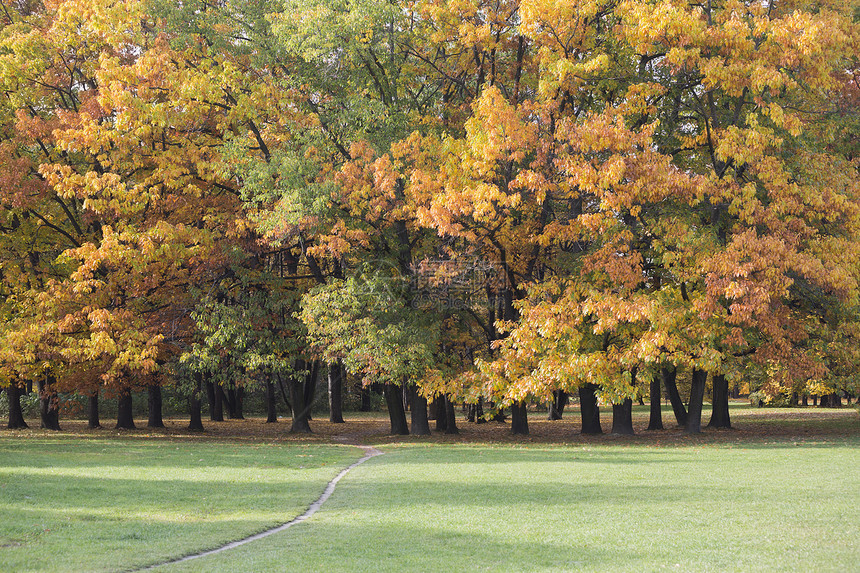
(220, 400)
(720, 412)
(235, 403)
(556, 406)
(420, 422)
(697, 396)
(589, 410)
(210, 397)
(622, 418)
(439, 413)
(655, 422)
(155, 402)
(195, 405)
(271, 403)
(16, 414)
(93, 421)
(669, 376)
(396, 414)
(365, 400)
(335, 393)
(124, 413)
(49, 405)
(451, 416)
(519, 419)
(302, 391)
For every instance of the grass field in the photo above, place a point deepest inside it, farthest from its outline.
(83, 504)
(777, 494)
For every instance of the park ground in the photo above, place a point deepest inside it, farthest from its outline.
(777, 493)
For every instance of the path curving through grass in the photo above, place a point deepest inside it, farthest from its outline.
(369, 452)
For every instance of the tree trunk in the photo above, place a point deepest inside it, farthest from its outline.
(420, 423)
(656, 420)
(302, 390)
(669, 376)
(195, 405)
(556, 406)
(622, 418)
(519, 419)
(396, 414)
(49, 405)
(335, 393)
(124, 412)
(234, 407)
(804, 400)
(154, 402)
(475, 412)
(720, 412)
(93, 421)
(697, 396)
(16, 414)
(479, 411)
(451, 415)
(210, 398)
(240, 403)
(365, 399)
(439, 413)
(589, 410)
(271, 403)
(310, 387)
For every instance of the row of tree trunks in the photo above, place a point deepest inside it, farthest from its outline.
(830, 401)
(560, 399)
(235, 403)
(475, 412)
(215, 395)
(49, 405)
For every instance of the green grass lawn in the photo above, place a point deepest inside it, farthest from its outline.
(451, 507)
(84, 504)
(779, 494)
